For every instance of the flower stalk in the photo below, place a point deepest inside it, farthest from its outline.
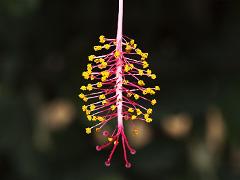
(119, 72)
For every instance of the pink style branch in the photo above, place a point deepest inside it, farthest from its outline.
(118, 91)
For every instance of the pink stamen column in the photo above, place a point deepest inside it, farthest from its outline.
(120, 135)
(119, 72)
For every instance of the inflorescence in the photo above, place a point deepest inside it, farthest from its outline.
(118, 89)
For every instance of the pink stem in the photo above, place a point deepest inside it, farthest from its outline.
(119, 63)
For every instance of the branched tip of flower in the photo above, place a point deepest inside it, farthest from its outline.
(101, 95)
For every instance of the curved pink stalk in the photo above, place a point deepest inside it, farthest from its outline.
(119, 65)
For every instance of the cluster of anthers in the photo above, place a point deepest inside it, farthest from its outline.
(118, 91)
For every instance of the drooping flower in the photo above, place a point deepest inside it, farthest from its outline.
(118, 91)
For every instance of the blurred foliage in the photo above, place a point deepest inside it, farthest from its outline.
(193, 47)
(18, 8)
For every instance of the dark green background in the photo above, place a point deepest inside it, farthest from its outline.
(194, 49)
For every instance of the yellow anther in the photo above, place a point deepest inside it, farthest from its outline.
(146, 116)
(131, 66)
(148, 120)
(105, 74)
(136, 96)
(140, 72)
(107, 46)
(85, 75)
(144, 56)
(89, 72)
(139, 112)
(102, 96)
(149, 111)
(130, 110)
(84, 108)
(89, 67)
(110, 139)
(103, 79)
(91, 57)
(133, 117)
(145, 64)
(98, 129)
(85, 99)
(94, 118)
(153, 102)
(117, 54)
(88, 112)
(148, 90)
(100, 66)
(128, 48)
(92, 77)
(138, 51)
(81, 95)
(102, 39)
(101, 60)
(149, 72)
(152, 92)
(103, 65)
(141, 83)
(145, 92)
(157, 88)
(127, 68)
(88, 130)
(104, 102)
(97, 60)
(113, 107)
(153, 76)
(89, 87)
(84, 88)
(97, 48)
(132, 42)
(89, 117)
(99, 84)
(92, 107)
(100, 118)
